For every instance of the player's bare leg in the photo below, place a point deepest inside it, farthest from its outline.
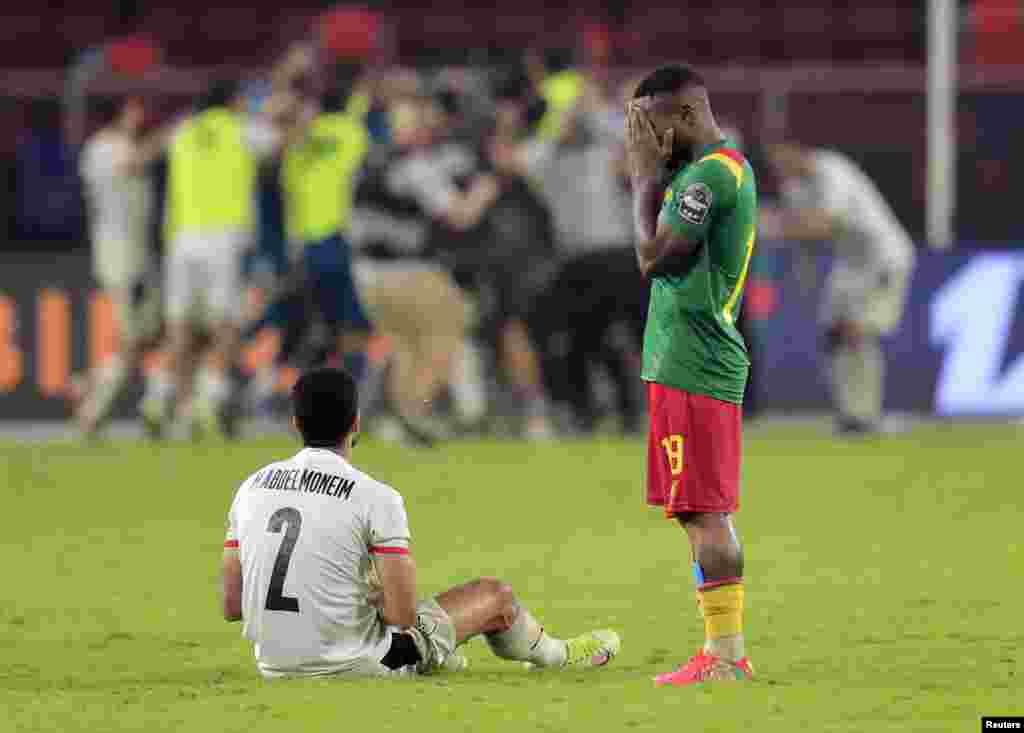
(523, 369)
(104, 388)
(718, 567)
(425, 315)
(213, 386)
(352, 345)
(488, 606)
(184, 358)
(169, 384)
(139, 331)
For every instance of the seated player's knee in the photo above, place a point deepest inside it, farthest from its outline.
(501, 597)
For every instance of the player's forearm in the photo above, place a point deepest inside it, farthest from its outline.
(647, 196)
(232, 587)
(808, 225)
(398, 579)
(467, 211)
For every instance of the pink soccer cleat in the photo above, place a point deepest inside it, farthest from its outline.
(705, 667)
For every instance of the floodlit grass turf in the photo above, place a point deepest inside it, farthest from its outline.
(885, 588)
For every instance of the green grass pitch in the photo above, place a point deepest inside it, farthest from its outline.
(885, 588)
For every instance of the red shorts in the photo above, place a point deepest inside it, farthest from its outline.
(693, 451)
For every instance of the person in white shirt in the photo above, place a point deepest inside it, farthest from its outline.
(828, 198)
(318, 567)
(119, 194)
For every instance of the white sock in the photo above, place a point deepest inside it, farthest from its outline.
(265, 381)
(109, 381)
(548, 651)
(107, 385)
(526, 641)
(159, 388)
(467, 384)
(212, 386)
(858, 376)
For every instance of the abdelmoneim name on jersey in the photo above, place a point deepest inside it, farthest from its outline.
(311, 482)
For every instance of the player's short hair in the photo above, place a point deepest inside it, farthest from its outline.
(558, 59)
(221, 93)
(325, 402)
(668, 80)
(105, 110)
(344, 76)
(513, 84)
(449, 101)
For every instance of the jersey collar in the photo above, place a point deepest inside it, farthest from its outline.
(705, 151)
(708, 149)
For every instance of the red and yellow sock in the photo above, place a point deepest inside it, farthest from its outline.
(721, 604)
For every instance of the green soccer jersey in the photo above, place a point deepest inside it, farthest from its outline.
(691, 341)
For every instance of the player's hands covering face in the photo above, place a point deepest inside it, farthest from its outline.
(647, 152)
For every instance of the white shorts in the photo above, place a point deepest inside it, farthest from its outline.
(871, 299)
(138, 312)
(203, 278)
(118, 263)
(434, 636)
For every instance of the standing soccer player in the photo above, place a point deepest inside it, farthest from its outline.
(829, 199)
(114, 172)
(695, 211)
(208, 222)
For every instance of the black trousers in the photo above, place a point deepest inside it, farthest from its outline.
(593, 313)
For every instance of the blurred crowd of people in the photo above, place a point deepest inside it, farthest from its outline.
(461, 242)
(473, 235)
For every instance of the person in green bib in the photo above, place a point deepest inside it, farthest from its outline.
(208, 224)
(317, 175)
(559, 85)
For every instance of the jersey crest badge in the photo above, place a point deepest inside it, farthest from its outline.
(695, 203)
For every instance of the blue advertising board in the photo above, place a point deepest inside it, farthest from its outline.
(957, 352)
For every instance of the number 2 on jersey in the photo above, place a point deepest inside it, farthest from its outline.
(276, 600)
(673, 446)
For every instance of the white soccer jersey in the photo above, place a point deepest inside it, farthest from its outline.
(306, 529)
(871, 237)
(119, 208)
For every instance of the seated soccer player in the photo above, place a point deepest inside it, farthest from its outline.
(317, 566)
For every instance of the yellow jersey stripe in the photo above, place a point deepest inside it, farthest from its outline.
(730, 305)
(735, 168)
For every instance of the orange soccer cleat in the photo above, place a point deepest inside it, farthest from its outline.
(705, 667)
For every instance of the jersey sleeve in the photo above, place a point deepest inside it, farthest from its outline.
(100, 161)
(835, 183)
(429, 186)
(703, 192)
(233, 534)
(231, 538)
(388, 525)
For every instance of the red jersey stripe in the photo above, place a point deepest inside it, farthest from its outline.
(719, 583)
(730, 153)
(389, 551)
(230, 544)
